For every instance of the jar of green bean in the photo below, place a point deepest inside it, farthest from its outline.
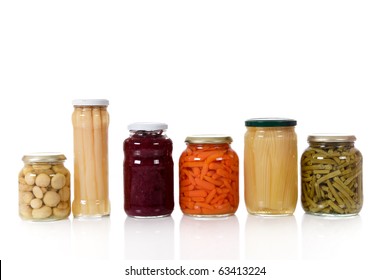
(331, 176)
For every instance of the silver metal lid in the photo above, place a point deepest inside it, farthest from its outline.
(43, 158)
(209, 139)
(328, 138)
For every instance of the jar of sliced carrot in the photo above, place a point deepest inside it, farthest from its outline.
(208, 171)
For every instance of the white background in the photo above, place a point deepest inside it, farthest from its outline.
(201, 67)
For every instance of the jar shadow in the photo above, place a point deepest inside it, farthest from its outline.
(39, 234)
(271, 237)
(329, 237)
(209, 239)
(149, 239)
(91, 237)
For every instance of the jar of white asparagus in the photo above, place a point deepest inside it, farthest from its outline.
(90, 135)
(331, 176)
(270, 166)
(44, 187)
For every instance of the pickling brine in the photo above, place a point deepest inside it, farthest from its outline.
(270, 166)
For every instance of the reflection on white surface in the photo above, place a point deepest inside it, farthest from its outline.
(90, 238)
(149, 239)
(331, 238)
(271, 237)
(205, 239)
(45, 238)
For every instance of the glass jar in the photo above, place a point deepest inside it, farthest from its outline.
(270, 166)
(44, 187)
(208, 171)
(148, 171)
(331, 176)
(90, 142)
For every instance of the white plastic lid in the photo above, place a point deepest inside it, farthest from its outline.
(147, 126)
(90, 102)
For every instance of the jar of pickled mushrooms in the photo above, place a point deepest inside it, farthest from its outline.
(44, 187)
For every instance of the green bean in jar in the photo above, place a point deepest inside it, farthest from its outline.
(331, 176)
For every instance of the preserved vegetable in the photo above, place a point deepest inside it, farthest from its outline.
(331, 180)
(271, 168)
(90, 133)
(209, 177)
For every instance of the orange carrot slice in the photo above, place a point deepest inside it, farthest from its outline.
(204, 185)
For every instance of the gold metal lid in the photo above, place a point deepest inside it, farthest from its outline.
(209, 139)
(43, 158)
(329, 138)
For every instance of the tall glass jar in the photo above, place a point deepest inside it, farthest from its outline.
(148, 171)
(44, 187)
(332, 176)
(270, 166)
(90, 141)
(208, 177)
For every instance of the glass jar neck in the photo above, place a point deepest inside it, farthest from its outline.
(147, 133)
(270, 128)
(102, 107)
(332, 144)
(44, 163)
(210, 145)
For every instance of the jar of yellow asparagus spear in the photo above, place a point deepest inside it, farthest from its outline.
(90, 135)
(331, 176)
(270, 166)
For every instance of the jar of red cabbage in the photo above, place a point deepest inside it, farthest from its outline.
(148, 171)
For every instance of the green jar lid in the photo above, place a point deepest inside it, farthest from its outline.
(209, 139)
(270, 122)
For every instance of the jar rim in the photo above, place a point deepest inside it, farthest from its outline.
(209, 139)
(270, 122)
(90, 102)
(147, 126)
(44, 157)
(331, 138)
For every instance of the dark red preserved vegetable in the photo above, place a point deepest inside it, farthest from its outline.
(148, 171)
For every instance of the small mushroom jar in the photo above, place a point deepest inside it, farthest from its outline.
(44, 187)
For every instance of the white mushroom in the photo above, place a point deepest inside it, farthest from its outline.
(25, 188)
(60, 169)
(27, 169)
(61, 213)
(58, 181)
(42, 213)
(63, 205)
(42, 180)
(37, 192)
(25, 211)
(51, 199)
(30, 179)
(39, 166)
(27, 197)
(36, 203)
(64, 194)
